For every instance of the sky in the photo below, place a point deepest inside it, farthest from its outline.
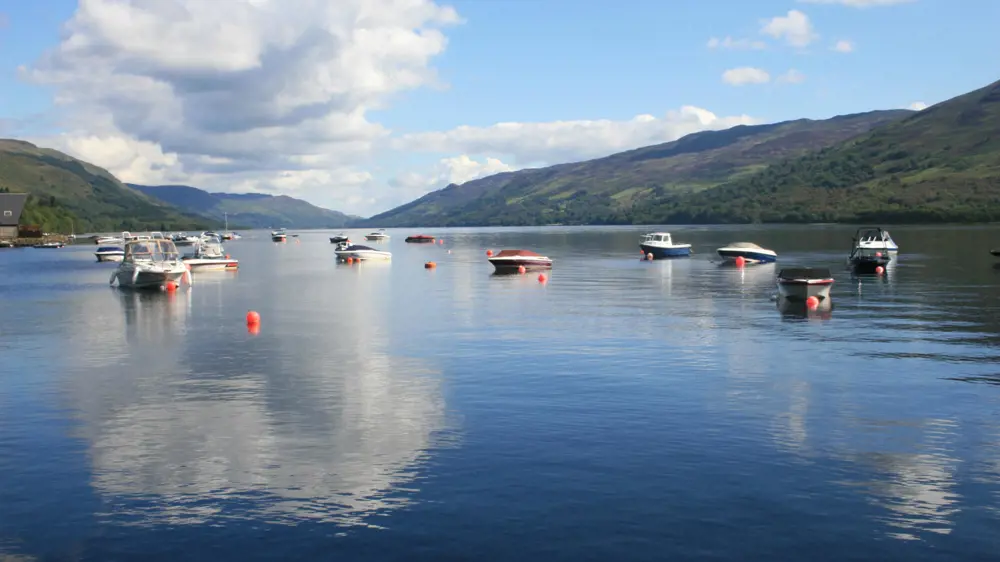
(363, 105)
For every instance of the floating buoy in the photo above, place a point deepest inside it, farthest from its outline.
(350, 260)
(171, 286)
(878, 254)
(227, 256)
(542, 278)
(252, 318)
(489, 253)
(879, 270)
(649, 256)
(740, 261)
(812, 302)
(440, 241)
(521, 269)
(430, 265)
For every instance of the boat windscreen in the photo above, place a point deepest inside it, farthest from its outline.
(750, 245)
(513, 253)
(805, 273)
(357, 247)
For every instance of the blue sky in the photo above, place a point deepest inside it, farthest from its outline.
(520, 61)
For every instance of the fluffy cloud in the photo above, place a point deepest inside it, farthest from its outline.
(457, 170)
(736, 44)
(791, 77)
(843, 46)
(859, 3)
(917, 106)
(794, 27)
(206, 90)
(568, 141)
(745, 75)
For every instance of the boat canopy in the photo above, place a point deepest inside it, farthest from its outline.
(515, 253)
(151, 250)
(358, 248)
(804, 273)
(657, 237)
(108, 249)
(747, 245)
(872, 234)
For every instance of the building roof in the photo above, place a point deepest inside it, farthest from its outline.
(11, 205)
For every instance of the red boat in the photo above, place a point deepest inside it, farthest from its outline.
(420, 238)
(508, 261)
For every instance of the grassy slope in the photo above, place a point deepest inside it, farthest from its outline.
(66, 189)
(606, 189)
(942, 164)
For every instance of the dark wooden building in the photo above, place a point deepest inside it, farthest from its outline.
(11, 205)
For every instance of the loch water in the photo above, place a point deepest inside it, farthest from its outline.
(622, 410)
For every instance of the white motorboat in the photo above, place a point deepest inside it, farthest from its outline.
(109, 253)
(661, 245)
(377, 236)
(358, 252)
(874, 238)
(109, 241)
(185, 239)
(750, 252)
(800, 283)
(209, 255)
(150, 264)
(511, 261)
(279, 235)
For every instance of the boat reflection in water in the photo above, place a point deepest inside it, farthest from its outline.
(153, 315)
(799, 310)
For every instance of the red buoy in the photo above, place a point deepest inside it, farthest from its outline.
(649, 256)
(521, 269)
(489, 253)
(252, 318)
(812, 302)
(542, 278)
(740, 261)
(879, 270)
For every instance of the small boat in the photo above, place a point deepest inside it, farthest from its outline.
(149, 264)
(377, 236)
(867, 258)
(109, 240)
(358, 252)
(510, 261)
(340, 238)
(995, 252)
(226, 234)
(49, 245)
(279, 235)
(874, 238)
(424, 238)
(109, 253)
(210, 256)
(185, 240)
(662, 246)
(6, 244)
(800, 283)
(750, 252)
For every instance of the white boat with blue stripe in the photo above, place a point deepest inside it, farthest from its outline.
(662, 246)
(750, 252)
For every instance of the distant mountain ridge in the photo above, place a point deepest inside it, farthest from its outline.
(609, 189)
(248, 210)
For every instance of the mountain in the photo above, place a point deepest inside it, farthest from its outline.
(939, 165)
(606, 190)
(66, 193)
(250, 210)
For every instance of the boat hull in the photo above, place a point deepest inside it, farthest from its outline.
(883, 246)
(802, 289)
(375, 238)
(420, 240)
(279, 239)
(149, 279)
(751, 256)
(868, 265)
(514, 264)
(110, 257)
(995, 253)
(678, 251)
(211, 264)
(364, 256)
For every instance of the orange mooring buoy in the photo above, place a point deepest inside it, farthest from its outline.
(812, 302)
(489, 253)
(542, 278)
(521, 269)
(879, 270)
(252, 318)
(430, 265)
(649, 256)
(740, 261)
(350, 261)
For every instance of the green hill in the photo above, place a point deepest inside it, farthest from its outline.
(941, 164)
(608, 190)
(250, 210)
(66, 193)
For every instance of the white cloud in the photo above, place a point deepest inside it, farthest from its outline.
(456, 170)
(794, 27)
(917, 106)
(859, 3)
(843, 46)
(745, 75)
(219, 92)
(568, 141)
(791, 77)
(728, 42)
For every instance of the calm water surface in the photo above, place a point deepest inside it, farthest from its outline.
(624, 410)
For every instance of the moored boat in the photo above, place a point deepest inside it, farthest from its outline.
(750, 252)
(377, 236)
(149, 264)
(49, 245)
(359, 252)
(109, 253)
(874, 238)
(210, 256)
(867, 258)
(995, 252)
(800, 283)
(510, 261)
(340, 238)
(279, 235)
(420, 238)
(661, 245)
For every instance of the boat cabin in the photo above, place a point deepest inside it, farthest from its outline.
(151, 250)
(659, 237)
(872, 235)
